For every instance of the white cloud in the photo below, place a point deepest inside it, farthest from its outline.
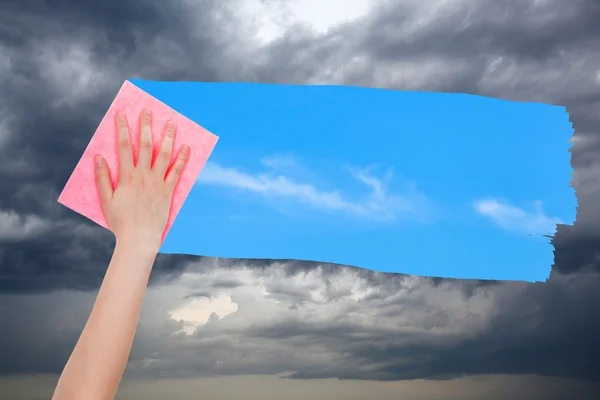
(378, 204)
(516, 219)
(281, 162)
(199, 310)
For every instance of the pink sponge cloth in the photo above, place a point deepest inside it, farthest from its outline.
(81, 193)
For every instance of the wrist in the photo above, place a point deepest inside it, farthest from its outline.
(139, 242)
(133, 256)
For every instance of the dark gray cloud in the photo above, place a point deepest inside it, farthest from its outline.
(406, 328)
(61, 63)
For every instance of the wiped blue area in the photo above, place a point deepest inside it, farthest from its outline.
(446, 151)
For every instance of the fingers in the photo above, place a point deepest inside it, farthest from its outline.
(178, 165)
(146, 145)
(124, 145)
(145, 154)
(166, 149)
(103, 181)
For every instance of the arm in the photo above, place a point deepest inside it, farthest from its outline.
(137, 212)
(96, 365)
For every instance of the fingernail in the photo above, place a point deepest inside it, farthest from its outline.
(147, 113)
(185, 149)
(99, 161)
(171, 126)
(120, 116)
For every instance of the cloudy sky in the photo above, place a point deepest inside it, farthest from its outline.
(229, 329)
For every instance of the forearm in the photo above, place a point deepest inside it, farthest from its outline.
(100, 356)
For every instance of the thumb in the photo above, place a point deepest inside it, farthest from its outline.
(103, 180)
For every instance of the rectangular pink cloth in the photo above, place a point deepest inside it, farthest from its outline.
(81, 193)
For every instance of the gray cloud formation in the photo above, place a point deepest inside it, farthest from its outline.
(61, 63)
(348, 324)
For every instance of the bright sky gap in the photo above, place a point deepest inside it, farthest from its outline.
(430, 184)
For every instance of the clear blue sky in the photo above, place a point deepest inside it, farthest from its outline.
(432, 184)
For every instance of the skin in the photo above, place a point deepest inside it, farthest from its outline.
(137, 211)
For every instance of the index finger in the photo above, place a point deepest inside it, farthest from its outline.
(125, 149)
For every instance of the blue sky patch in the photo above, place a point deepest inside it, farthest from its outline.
(430, 184)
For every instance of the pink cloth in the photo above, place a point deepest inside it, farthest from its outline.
(81, 193)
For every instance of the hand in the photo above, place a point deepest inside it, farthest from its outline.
(137, 210)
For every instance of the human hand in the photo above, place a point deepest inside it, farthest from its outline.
(137, 210)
